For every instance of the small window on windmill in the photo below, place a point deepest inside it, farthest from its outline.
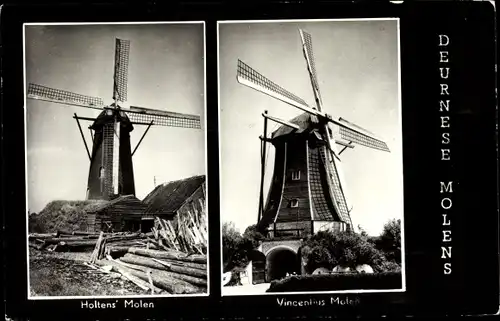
(295, 175)
(294, 202)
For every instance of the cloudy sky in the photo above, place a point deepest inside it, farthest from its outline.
(357, 67)
(166, 72)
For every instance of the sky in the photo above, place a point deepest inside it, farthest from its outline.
(166, 72)
(357, 69)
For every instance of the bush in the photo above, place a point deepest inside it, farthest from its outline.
(390, 266)
(235, 279)
(334, 282)
(62, 215)
(328, 249)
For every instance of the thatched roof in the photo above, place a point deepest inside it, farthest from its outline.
(169, 197)
(129, 204)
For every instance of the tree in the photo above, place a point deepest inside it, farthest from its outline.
(231, 240)
(362, 231)
(390, 240)
(252, 233)
(236, 248)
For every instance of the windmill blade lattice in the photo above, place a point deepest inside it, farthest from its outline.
(107, 154)
(339, 200)
(122, 50)
(246, 75)
(355, 134)
(63, 97)
(163, 118)
(309, 55)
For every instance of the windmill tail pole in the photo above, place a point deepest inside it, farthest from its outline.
(263, 169)
(140, 140)
(83, 137)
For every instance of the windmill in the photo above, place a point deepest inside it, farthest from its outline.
(111, 167)
(307, 191)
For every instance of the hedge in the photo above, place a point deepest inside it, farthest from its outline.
(338, 281)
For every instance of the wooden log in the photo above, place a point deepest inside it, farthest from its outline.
(72, 243)
(158, 254)
(187, 278)
(148, 234)
(95, 254)
(149, 262)
(182, 269)
(81, 243)
(157, 244)
(76, 246)
(171, 285)
(111, 238)
(102, 249)
(66, 232)
(137, 281)
(199, 266)
(56, 240)
(41, 236)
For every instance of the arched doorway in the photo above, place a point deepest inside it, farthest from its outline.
(280, 261)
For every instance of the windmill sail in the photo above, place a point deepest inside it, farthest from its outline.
(116, 156)
(247, 76)
(328, 153)
(358, 135)
(122, 50)
(335, 183)
(108, 141)
(144, 116)
(60, 96)
(309, 56)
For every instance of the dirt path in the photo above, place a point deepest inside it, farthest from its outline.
(64, 274)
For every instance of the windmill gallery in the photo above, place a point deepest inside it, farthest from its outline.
(307, 191)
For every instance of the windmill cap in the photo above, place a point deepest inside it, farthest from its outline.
(305, 121)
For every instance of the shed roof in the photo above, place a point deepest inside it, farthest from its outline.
(124, 204)
(169, 197)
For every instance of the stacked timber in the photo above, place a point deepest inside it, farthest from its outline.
(159, 270)
(79, 241)
(187, 233)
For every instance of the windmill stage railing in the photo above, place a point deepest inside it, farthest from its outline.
(280, 233)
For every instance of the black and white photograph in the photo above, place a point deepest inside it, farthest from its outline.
(311, 165)
(116, 178)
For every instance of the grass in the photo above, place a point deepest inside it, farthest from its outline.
(44, 282)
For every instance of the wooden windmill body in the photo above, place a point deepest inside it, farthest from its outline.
(307, 190)
(111, 171)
